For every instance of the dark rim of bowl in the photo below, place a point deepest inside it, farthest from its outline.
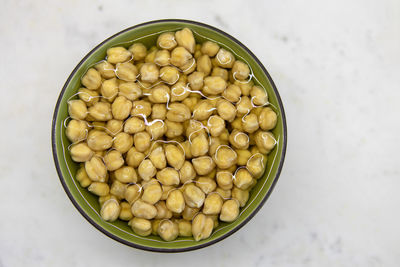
(211, 242)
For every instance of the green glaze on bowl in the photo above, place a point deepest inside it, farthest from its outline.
(87, 203)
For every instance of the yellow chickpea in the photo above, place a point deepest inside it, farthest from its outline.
(225, 194)
(82, 177)
(121, 108)
(169, 74)
(179, 91)
(185, 39)
(110, 210)
(162, 211)
(209, 48)
(149, 72)
(191, 102)
(114, 127)
(229, 211)
(81, 152)
(118, 189)
(267, 119)
(199, 145)
(77, 109)
(99, 189)
(220, 72)
(185, 228)
(226, 110)
(207, 185)
(152, 193)
(118, 54)
(245, 87)
(203, 165)
(225, 180)
(158, 112)
(92, 79)
(141, 226)
(157, 157)
(88, 96)
(167, 41)
(162, 58)
(113, 160)
(123, 142)
(187, 172)
(168, 230)
(204, 65)
(225, 157)
(243, 179)
(126, 71)
(213, 204)
(106, 69)
(244, 106)
(203, 110)
(168, 176)
(240, 195)
(160, 94)
(109, 89)
(130, 90)
(126, 174)
(96, 170)
(178, 112)
(141, 141)
(259, 96)
(151, 55)
(240, 70)
(232, 93)
(180, 56)
(243, 156)
(215, 125)
(256, 165)
(134, 125)
(250, 123)
(175, 201)
(175, 156)
(214, 85)
(189, 213)
(196, 80)
(132, 193)
(141, 108)
(76, 131)
(134, 157)
(125, 214)
(101, 111)
(215, 142)
(143, 210)
(202, 227)
(224, 58)
(139, 51)
(239, 140)
(99, 140)
(265, 141)
(194, 196)
(146, 170)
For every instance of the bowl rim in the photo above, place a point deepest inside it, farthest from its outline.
(148, 248)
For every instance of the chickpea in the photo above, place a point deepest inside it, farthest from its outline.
(152, 193)
(237, 124)
(243, 156)
(185, 39)
(76, 131)
(178, 112)
(156, 129)
(209, 48)
(110, 210)
(132, 193)
(160, 94)
(168, 176)
(126, 174)
(114, 127)
(134, 157)
(81, 152)
(157, 157)
(175, 156)
(194, 196)
(141, 108)
(82, 177)
(186, 149)
(244, 106)
(141, 226)
(174, 129)
(147, 170)
(189, 213)
(130, 90)
(99, 189)
(175, 201)
(232, 93)
(162, 57)
(225, 157)
(203, 165)
(204, 65)
(194, 128)
(259, 96)
(224, 137)
(169, 74)
(101, 111)
(191, 102)
(134, 125)
(242, 196)
(149, 72)
(207, 185)
(213, 204)
(180, 56)
(256, 165)
(202, 227)
(139, 51)
(220, 72)
(267, 119)
(121, 108)
(166, 40)
(95, 169)
(113, 160)
(168, 230)
(250, 123)
(203, 110)
(199, 145)
(243, 179)
(226, 110)
(225, 194)
(162, 211)
(224, 58)
(265, 141)
(118, 54)
(239, 139)
(225, 180)
(105, 69)
(215, 142)
(187, 172)
(98, 140)
(123, 142)
(126, 71)
(166, 189)
(143, 210)
(179, 91)
(185, 228)
(125, 214)
(196, 80)
(151, 55)
(240, 70)
(142, 141)
(88, 96)
(215, 125)
(229, 211)
(77, 109)
(159, 112)
(118, 189)
(214, 85)
(92, 79)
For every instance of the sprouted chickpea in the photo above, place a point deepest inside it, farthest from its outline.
(171, 137)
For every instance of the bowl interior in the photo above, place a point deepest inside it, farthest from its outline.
(87, 203)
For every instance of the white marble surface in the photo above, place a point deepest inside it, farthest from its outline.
(336, 64)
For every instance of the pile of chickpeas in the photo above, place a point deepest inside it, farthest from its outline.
(171, 138)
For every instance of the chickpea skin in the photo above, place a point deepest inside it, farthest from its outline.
(259, 96)
(265, 141)
(250, 123)
(106, 69)
(224, 58)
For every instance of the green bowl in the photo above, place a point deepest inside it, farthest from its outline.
(87, 203)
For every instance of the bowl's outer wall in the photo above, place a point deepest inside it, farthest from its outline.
(88, 204)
